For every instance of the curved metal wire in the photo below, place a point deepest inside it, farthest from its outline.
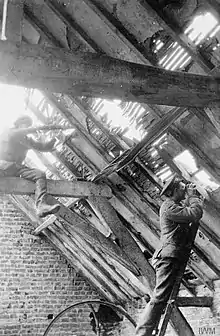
(119, 309)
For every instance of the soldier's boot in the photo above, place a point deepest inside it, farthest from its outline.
(43, 208)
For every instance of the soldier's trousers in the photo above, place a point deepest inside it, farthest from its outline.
(167, 269)
(13, 169)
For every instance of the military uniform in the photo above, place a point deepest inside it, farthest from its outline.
(13, 149)
(175, 219)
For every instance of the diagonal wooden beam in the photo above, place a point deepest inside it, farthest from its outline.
(59, 10)
(105, 211)
(90, 74)
(154, 133)
(18, 186)
(81, 255)
(81, 226)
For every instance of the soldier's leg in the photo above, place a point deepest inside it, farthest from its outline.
(37, 176)
(166, 272)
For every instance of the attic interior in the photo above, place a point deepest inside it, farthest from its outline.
(136, 83)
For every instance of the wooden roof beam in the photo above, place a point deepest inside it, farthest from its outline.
(80, 253)
(72, 24)
(105, 211)
(89, 74)
(41, 28)
(60, 188)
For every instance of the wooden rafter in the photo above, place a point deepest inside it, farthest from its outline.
(88, 74)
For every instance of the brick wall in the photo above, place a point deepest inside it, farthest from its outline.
(35, 281)
(36, 284)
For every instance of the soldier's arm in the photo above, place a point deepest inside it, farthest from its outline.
(185, 214)
(21, 132)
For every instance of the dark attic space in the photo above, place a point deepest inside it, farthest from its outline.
(110, 168)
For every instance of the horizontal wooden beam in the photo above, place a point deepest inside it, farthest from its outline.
(57, 70)
(18, 186)
(202, 301)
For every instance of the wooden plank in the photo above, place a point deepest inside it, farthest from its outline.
(100, 259)
(102, 76)
(76, 263)
(81, 226)
(203, 301)
(18, 186)
(87, 254)
(82, 254)
(92, 235)
(12, 20)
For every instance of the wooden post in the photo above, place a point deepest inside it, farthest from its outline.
(89, 74)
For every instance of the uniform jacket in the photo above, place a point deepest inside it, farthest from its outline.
(175, 229)
(14, 147)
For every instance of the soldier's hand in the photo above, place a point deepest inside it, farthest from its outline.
(191, 190)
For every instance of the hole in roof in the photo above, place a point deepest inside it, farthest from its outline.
(202, 26)
(200, 31)
(114, 115)
(205, 180)
(187, 161)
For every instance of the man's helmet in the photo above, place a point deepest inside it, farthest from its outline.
(24, 119)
